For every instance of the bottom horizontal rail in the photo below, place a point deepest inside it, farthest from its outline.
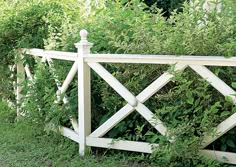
(120, 144)
(225, 157)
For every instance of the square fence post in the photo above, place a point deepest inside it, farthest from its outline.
(20, 80)
(84, 91)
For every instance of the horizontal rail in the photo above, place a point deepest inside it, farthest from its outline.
(225, 157)
(51, 54)
(120, 144)
(135, 58)
(161, 59)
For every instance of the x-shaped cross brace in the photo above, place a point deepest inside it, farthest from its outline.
(134, 103)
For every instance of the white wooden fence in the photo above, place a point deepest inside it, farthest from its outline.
(84, 61)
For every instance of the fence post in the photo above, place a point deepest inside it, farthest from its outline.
(84, 92)
(19, 81)
(209, 5)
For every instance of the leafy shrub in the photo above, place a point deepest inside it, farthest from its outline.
(24, 24)
(185, 105)
(182, 34)
(166, 5)
(7, 115)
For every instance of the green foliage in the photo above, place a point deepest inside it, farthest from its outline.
(25, 143)
(166, 5)
(188, 106)
(7, 115)
(24, 24)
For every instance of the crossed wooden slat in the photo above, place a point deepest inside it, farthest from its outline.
(136, 103)
(130, 107)
(61, 90)
(225, 90)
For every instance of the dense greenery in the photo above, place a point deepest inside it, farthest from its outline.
(188, 106)
(166, 5)
(27, 144)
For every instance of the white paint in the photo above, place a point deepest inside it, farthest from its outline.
(83, 60)
(120, 144)
(69, 133)
(142, 97)
(70, 76)
(20, 80)
(225, 157)
(161, 59)
(114, 83)
(84, 92)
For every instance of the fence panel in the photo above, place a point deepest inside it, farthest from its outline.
(84, 61)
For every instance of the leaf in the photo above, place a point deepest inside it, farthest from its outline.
(190, 100)
(230, 143)
(223, 139)
(154, 138)
(228, 99)
(189, 94)
(234, 110)
(234, 85)
(225, 113)
(223, 147)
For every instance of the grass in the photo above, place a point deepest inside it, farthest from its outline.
(23, 144)
(28, 145)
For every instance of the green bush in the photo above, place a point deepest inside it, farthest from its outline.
(188, 106)
(25, 24)
(166, 5)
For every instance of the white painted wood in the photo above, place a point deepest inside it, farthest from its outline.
(221, 129)
(52, 70)
(84, 91)
(70, 56)
(161, 59)
(224, 89)
(20, 80)
(69, 78)
(83, 59)
(216, 82)
(158, 84)
(225, 157)
(62, 89)
(134, 58)
(120, 144)
(27, 71)
(58, 83)
(142, 97)
(75, 124)
(114, 83)
(67, 132)
(113, 121)
(148, 115)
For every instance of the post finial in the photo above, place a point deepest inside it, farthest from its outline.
(83, 35)
(83, 42)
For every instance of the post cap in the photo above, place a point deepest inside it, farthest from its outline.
(83, 42)
(83, 34)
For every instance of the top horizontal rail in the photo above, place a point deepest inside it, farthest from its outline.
(51, 54)
(161, 59)
(135, 58)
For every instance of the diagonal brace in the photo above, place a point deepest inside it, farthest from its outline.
(142, 97)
